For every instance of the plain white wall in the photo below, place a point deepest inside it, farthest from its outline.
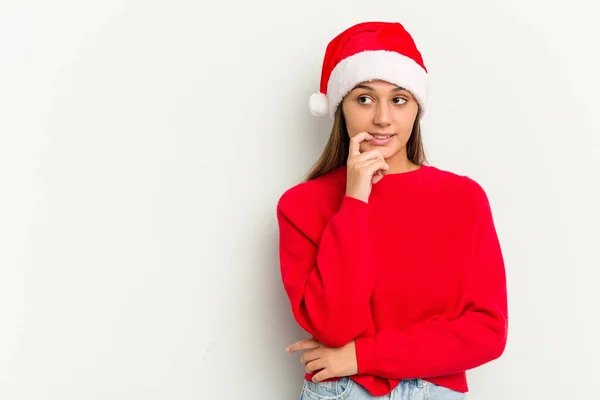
(144, 145)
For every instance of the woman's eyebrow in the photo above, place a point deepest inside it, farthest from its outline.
(397, 89)
(364, 87)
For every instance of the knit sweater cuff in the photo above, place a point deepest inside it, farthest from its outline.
(353, 203)
(366, 355)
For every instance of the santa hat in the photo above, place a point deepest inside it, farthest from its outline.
(365, 52)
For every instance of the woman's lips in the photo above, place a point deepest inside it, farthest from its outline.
(380, 141)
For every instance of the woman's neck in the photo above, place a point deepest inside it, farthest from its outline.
(399, 163)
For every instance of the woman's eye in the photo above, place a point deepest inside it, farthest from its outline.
(399, 100)
(363, 100)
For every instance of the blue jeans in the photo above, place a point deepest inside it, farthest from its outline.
(347, 389)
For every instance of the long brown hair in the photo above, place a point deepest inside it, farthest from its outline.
(335, 153)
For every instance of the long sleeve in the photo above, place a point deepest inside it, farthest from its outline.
(446, 345)
(328, 283)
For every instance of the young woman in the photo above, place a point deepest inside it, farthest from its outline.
(393, 266)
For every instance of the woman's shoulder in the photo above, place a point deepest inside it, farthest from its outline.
(457, 185)
(322, 192)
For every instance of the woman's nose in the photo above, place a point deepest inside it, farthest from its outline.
(382, 115)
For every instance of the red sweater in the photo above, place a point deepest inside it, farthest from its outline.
(416, 275)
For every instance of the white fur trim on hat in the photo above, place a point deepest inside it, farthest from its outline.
(372, 65)
(317, 103)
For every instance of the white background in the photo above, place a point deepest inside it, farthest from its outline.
(144, 145)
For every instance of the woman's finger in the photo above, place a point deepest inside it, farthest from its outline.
(368, 155)
(367, 163)
(304, 345)
(311, 355)
(315, 365)
(377, 177)
(322, 375)
(355, 141)
(377, 165)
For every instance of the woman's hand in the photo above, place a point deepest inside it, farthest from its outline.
(364, 169)
(331, 362)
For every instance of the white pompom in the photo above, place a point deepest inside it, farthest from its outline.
(318, 105)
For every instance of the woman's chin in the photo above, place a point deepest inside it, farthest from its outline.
(386, 151)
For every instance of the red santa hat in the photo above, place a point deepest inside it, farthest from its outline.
(365, 52)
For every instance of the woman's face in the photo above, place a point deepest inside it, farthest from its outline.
(380, 107)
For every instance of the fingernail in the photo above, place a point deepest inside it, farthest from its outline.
(287, 349)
